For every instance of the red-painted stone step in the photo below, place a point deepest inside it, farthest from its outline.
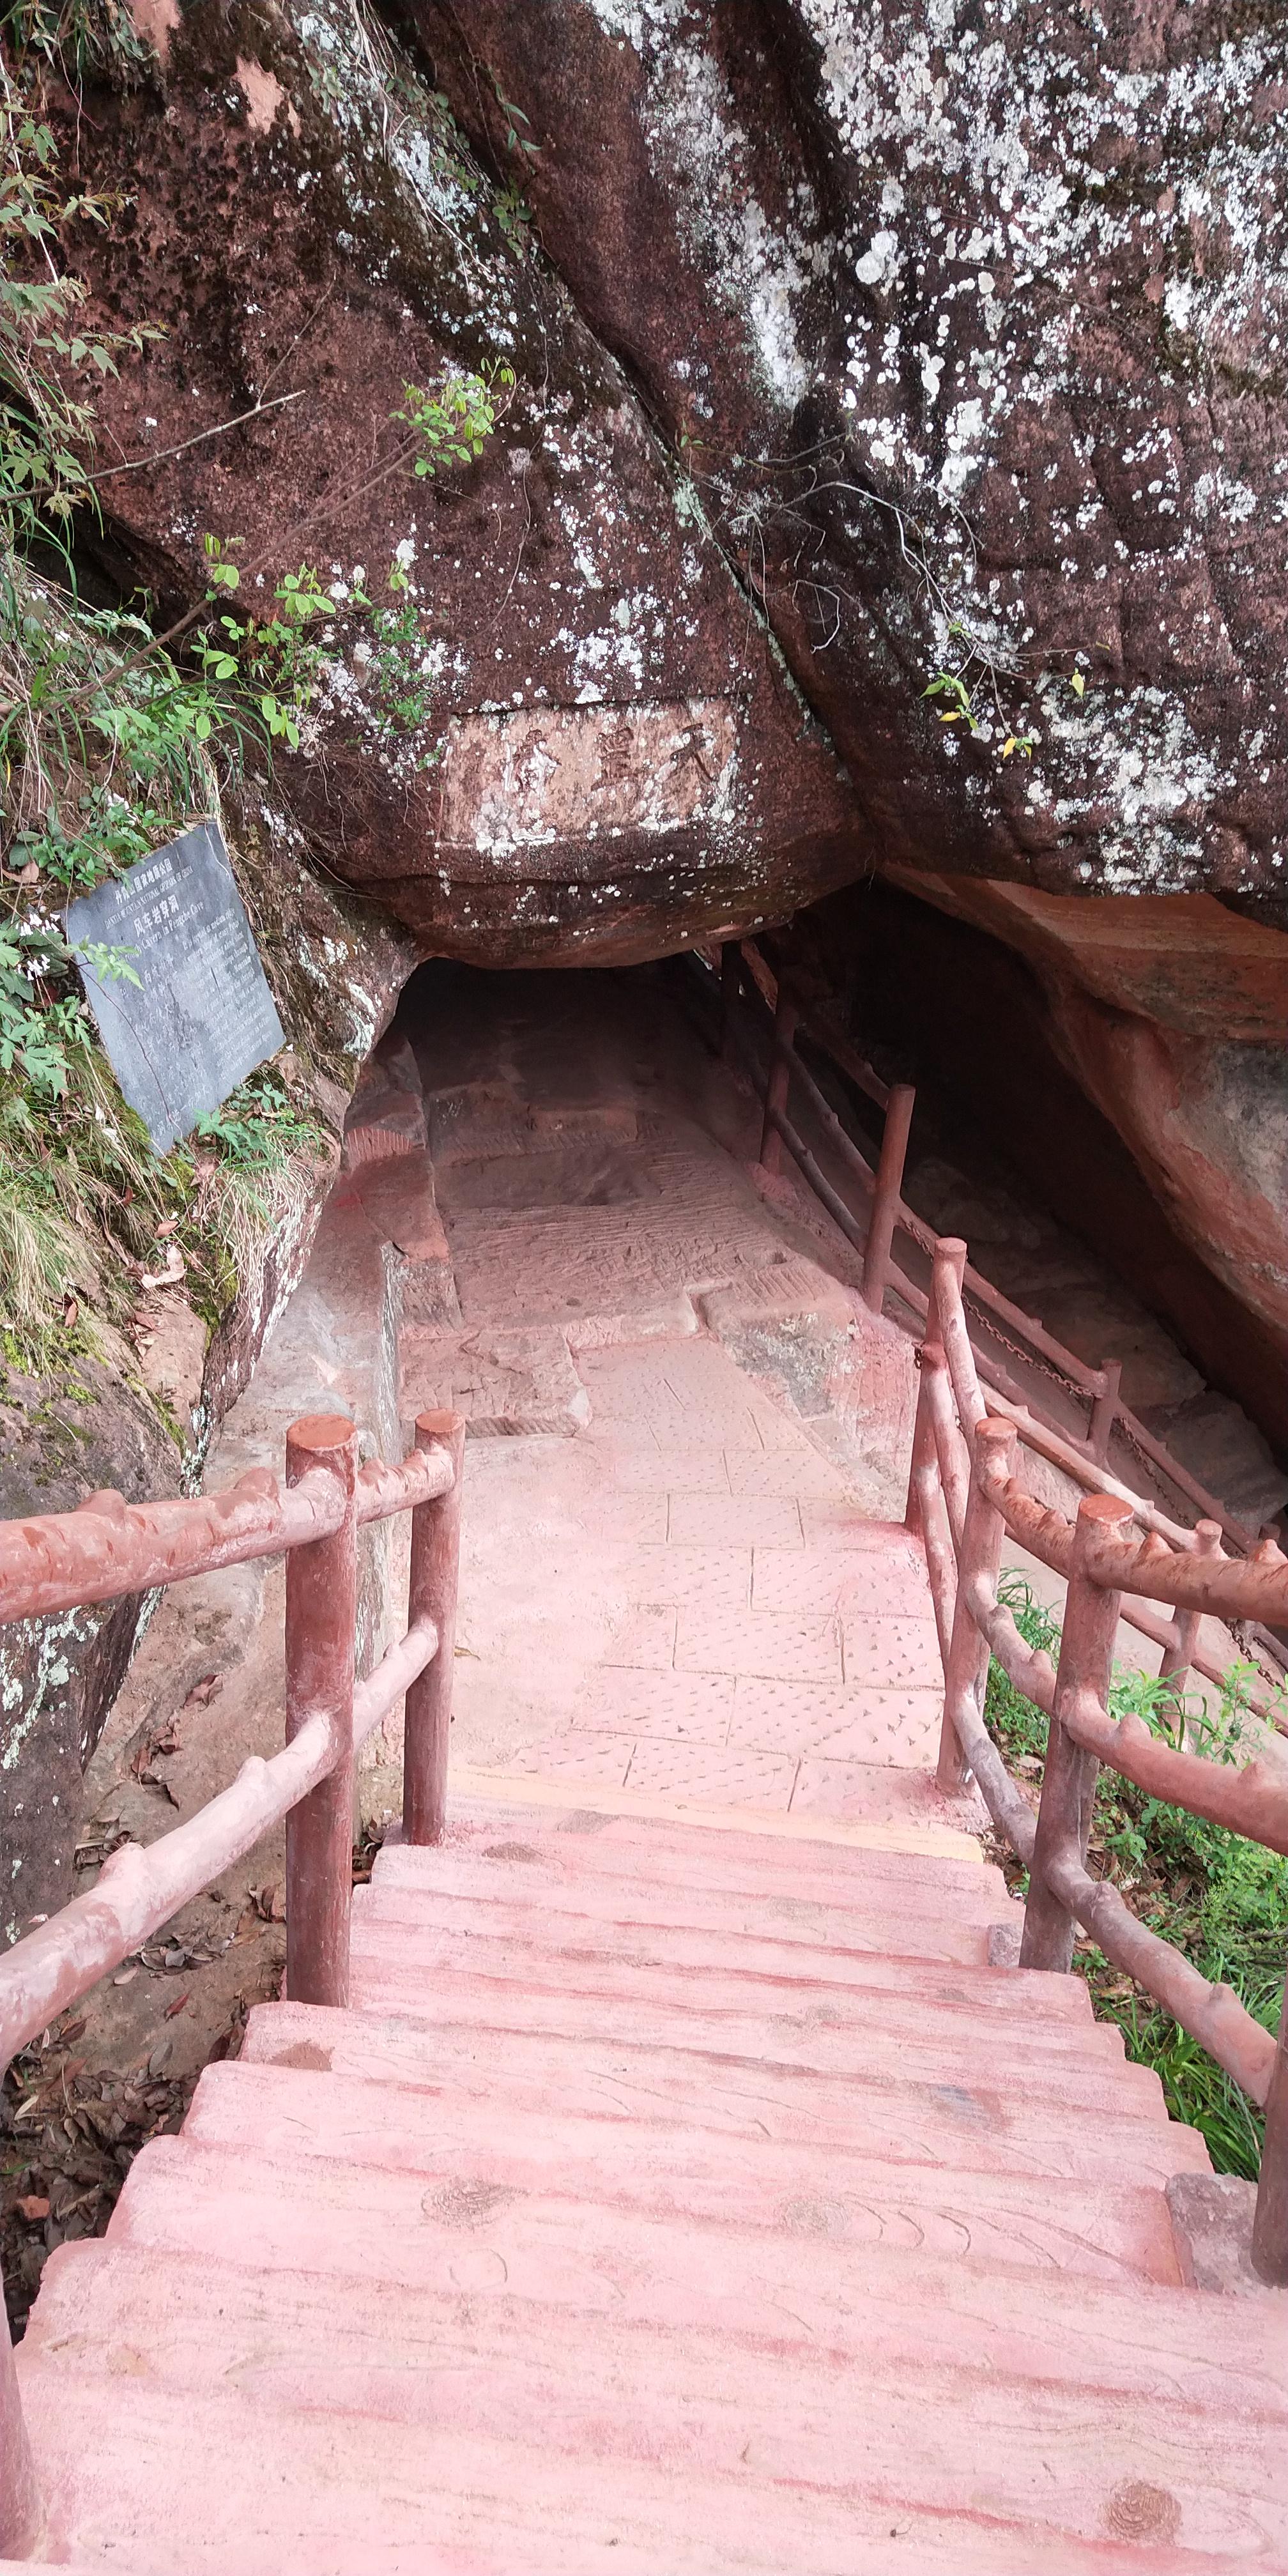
(918, 1938)
(796, 1873)
(622, 1964)
(1114, 2230)
(1034, 1999)
(211, 2485)
(665, 1849)
(515, 1867)
(963, 2124)
(730, 2400)
(813, 2037)
(785, 2289)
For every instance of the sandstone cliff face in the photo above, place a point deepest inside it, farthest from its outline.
(857, 346)
(980, 316)
(574, 737)
(974, 320)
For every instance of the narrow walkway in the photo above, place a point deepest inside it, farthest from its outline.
(684, 1577)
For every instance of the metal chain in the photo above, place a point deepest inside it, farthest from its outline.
(1154, 1474)
(1031, 1359)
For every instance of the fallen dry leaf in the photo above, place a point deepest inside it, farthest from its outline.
(174, 1269)
(202, 1692)
(33, 2208)
(176, 2007)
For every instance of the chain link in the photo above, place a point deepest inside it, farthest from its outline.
(1155, 1476)
(1031, 1359)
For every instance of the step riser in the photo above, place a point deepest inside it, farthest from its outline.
(167, 2484)
(938, 1941)
(953, 2126)
(1036, 2001)
(864, 1915)
(578, 1860)
(793, 2039)
(1112, 2232)
(447, 1964)
(868, 2427)
(617, 2269)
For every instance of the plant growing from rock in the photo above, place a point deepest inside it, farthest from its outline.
(1221, 1900)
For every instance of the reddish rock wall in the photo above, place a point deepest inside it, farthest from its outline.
(975, 324)
(853, 343)
(570, 736)
(1200, 1238)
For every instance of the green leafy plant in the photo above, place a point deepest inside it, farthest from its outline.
(260, 1126)
(452, 421)
(514, 118)
(275, 657)
(1222, 1900)
(960, 691)
(114, 737)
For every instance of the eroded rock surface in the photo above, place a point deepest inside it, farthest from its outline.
(858, 347)
(974, 320)
(564, 731)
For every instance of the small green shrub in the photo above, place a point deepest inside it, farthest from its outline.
(1220, 1899)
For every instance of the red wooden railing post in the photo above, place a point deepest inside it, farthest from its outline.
(730, 995)
(1179, 1654)
(889, 1190)
(966, 1672)
(779, 1083)
(923, 1441)
(435, 1561)
(1069, 1775)
(1270, 2225)
(923, 1433)
(1105, 1410)
(321, 1617)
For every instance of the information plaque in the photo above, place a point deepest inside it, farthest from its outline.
(201, 1016)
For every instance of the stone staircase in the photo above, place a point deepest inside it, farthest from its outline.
(670, 2198)
(692, 2184)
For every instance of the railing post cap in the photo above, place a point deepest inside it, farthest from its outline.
(1102, 1510)
(321, 1431)
(995, 1431)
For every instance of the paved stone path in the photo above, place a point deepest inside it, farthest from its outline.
(694, 1588)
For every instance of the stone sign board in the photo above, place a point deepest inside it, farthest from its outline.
(201, 1016)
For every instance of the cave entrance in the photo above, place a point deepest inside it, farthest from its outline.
(504, 1116)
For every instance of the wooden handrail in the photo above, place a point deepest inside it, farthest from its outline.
(108, 1548)
(1100, 1385)
(1098, 1564)
(962, 1535)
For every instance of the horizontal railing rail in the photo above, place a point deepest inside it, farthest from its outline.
(747, 982)
(108, 1549)
(966, 1499)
